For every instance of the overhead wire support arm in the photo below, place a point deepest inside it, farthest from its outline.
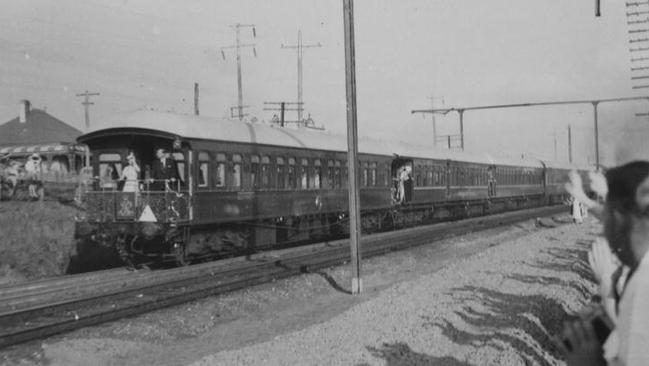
(594, 102)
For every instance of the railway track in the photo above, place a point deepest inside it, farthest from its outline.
(43, 308)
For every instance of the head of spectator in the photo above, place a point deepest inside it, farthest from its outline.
(130, 158)
(626, 214)
(160, 153)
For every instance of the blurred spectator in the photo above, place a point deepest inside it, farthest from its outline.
(33, 170)
(626, 228)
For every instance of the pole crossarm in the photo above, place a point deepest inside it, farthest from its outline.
(239, 46)
(302, 46)
(519, 105)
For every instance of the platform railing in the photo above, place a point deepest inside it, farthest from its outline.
(143, 200)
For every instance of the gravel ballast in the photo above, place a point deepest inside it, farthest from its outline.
(499, 307)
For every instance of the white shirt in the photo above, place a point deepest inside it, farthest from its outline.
(628, 344)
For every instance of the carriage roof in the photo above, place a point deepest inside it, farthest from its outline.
(220, 129)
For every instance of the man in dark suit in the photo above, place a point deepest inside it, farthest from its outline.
(164, 169)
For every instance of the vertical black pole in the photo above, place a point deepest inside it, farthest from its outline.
(352, 147)
(281, 121)
(596, 136)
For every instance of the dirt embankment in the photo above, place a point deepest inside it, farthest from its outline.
(36, 239)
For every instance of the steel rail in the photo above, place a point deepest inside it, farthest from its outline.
(37, 322)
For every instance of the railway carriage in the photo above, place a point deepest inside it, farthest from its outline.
(245, 187)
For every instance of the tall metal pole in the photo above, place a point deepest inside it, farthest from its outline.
(237, 27)
(461, 112)
(569, 145)
(596, 136)
(299, 76)
(352, 147)
(240, 91)
(299, 47)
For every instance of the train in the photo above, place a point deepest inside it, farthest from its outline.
(245, 187)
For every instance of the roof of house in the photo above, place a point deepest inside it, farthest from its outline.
(40, 128)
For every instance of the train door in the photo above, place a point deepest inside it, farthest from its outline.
(402, 180)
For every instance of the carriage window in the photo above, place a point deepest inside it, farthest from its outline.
(373, 174)
(290, 181)
(61, 165)
(316, 177)
(304, 177)
(265, 171)
(280, 173)
(110, 169)
(254, 171)
(330, 175)
(180, 163)
(386, 176)
(203, 167)
(365, 175)
(220, 170)
(429, 178)
(236, 170)
(337, 175)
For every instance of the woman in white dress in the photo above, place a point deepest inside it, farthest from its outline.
(130, 174)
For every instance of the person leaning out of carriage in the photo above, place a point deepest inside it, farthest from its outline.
(165, 171)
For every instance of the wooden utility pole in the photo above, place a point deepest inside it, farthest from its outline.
(86, 105)
(238, 46)
(299, 48)
(352, 148)
(196, 99)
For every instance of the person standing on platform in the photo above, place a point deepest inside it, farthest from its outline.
(130, 174)
(165, 171)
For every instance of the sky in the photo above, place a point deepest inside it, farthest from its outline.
(149, 53)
